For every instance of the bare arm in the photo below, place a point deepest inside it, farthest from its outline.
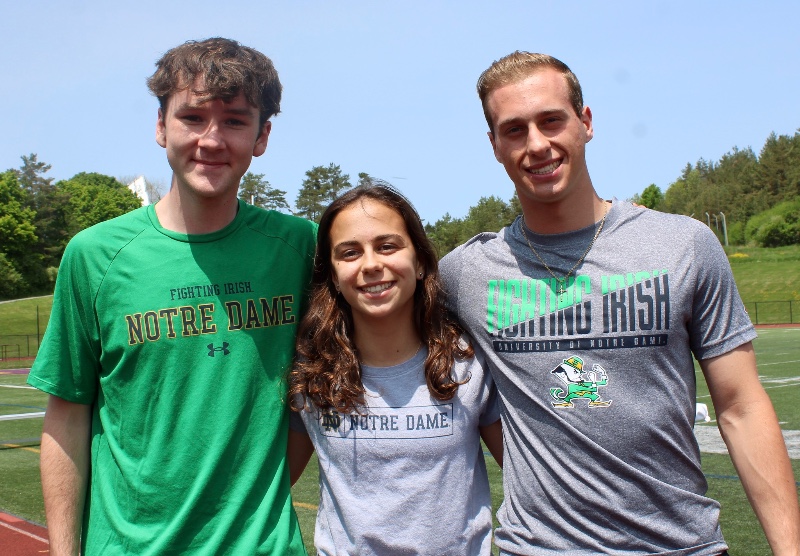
(492, 436)
(750, 429)
(65, 472)
(298, 451)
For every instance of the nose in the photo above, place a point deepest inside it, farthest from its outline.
(538, 143)
(212, 137)
(370, 262)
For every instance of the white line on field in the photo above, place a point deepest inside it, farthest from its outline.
(31, 535)
(16, 416)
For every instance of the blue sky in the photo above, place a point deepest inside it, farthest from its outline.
(388, 88)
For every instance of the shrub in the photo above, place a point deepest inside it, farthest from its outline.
(736, 233)
(775, 227)
(11, 281)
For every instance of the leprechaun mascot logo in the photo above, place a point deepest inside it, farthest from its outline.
(579, 384)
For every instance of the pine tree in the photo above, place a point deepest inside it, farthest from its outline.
(320, 188)
(254, 189)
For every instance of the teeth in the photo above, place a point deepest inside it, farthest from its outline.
(377, 289)
(547, 169)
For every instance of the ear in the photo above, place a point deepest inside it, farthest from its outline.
(262, 139)
(161, 131)
(494, 146)
(420, 270)
(586, 120)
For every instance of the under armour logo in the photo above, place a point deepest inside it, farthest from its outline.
(224, 349)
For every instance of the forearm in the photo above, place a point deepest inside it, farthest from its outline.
(759, 454)
(65, 471)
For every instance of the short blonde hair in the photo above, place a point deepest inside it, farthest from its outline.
(517, 66)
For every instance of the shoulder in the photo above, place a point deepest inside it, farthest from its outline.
(475, 248)
(298, 233)
(110, 236)
(656, 220)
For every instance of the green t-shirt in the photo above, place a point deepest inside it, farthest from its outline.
(182, 343)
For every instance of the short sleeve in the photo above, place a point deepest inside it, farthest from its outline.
(68, 362)
(719, 322)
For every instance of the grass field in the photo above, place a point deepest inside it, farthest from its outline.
(778, 356)
(761, 275)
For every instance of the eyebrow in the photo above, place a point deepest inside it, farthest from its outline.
(542, 114)
(229, 110)
(383, 237)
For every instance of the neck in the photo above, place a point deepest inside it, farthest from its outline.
(387, 345)
(192, 215)
(561, 217)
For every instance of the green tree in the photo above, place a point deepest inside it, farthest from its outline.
(733, 177)
(254, 189)
(651, 197)
(12, 283)
(48, 203)
(446, 234)
(320, 187)
(491, 214)
(31, 175)
(680, 196)
(778, 173)
(90, 198)
(20, 264)
(775, 227)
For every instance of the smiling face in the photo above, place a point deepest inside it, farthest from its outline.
(539, 139)
(210, 143)
(374, 263)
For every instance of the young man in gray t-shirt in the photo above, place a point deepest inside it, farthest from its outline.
(589, 313)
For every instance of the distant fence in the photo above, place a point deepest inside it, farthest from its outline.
(15, 346)
(773, 312)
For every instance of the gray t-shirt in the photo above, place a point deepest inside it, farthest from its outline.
(598, 385)
(408, 475)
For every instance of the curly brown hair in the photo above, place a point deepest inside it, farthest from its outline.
(225, 69)
(328, 372)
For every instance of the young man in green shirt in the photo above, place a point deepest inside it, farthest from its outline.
(172, 329)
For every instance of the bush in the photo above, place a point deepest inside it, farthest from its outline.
(11, 281)
(52, 274)
(736, 233)
(775, 227)
(776, 233)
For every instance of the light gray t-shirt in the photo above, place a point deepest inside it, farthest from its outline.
(408, 475)
(598, 385)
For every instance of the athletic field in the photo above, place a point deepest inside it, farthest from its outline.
(778, 351)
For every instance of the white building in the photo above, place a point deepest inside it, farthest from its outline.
(139, 188)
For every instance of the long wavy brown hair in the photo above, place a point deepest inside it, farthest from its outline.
(327, 372)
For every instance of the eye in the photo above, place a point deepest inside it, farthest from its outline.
(552, 122)
(236, 122)
(387, 247)
(348, 254)
(191, 118)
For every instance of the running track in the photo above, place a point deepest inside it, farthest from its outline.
(22, 538)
